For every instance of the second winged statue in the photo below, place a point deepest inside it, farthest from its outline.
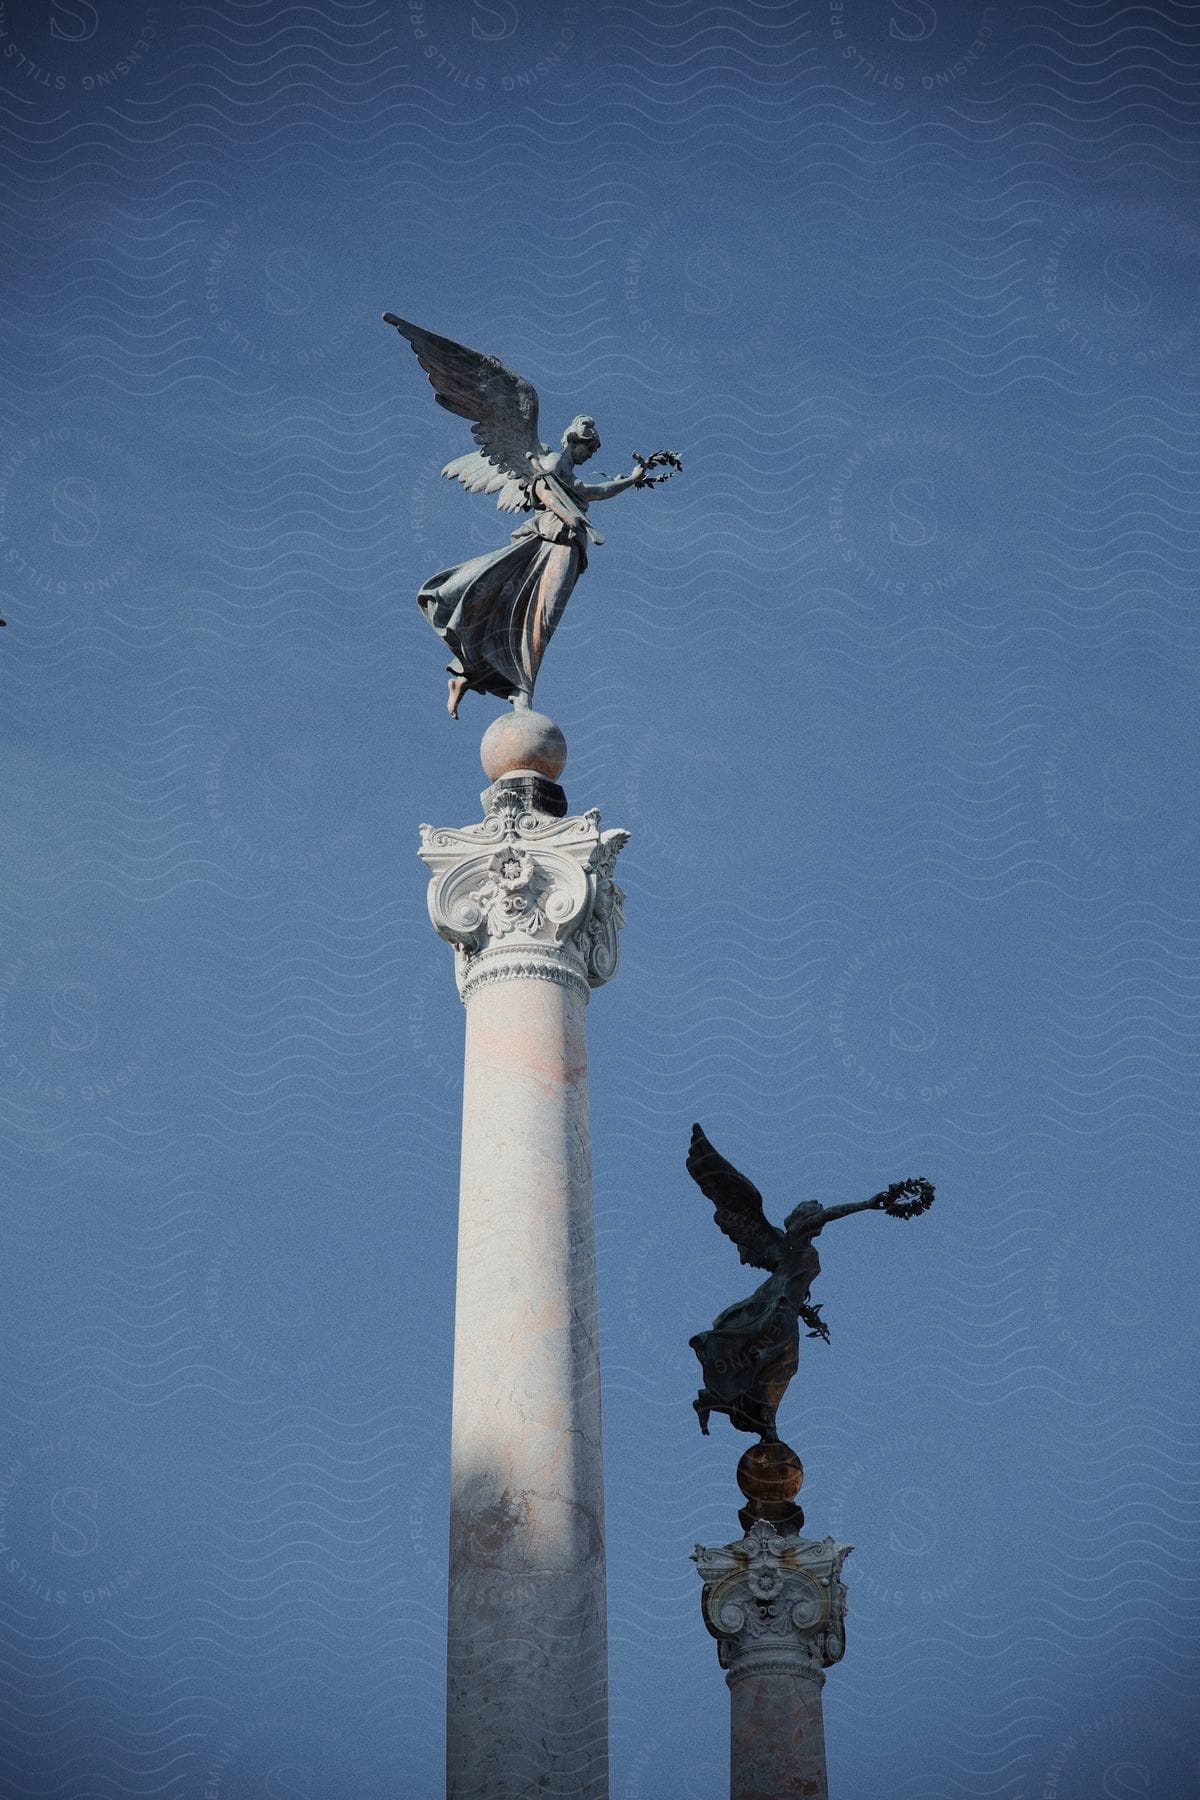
(752, 1350)
(496, 613)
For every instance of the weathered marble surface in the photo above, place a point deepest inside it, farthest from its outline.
(530, 905)
(776, 1607)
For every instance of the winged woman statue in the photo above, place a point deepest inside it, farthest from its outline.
(753, 1349)
(497, 613)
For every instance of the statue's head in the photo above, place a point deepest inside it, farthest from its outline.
(581, 439)
(807, 1213)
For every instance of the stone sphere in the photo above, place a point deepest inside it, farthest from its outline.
(523, 740)
(770, 1474)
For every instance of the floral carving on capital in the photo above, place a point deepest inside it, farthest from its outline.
(519, 880)
(774, 1598)
(508, 897)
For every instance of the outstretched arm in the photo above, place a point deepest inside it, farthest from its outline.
(605, 490)
(903, 1200)
(829, 1213)
(666, 460)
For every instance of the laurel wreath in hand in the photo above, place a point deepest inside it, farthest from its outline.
(664, 459)
(905, 1199)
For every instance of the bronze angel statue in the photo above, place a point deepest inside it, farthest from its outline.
(753, 1349)
(497, 613)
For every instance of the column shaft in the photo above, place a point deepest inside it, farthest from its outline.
(527, 1694)
(776, 1736)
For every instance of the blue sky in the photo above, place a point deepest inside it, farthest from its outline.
(894, 688)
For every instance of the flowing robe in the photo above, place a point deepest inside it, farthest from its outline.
(497, 612)
(753, 1348)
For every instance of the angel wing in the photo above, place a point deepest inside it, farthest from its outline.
(502, 406)
(738, 1203)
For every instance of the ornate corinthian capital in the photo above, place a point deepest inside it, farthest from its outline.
(774, 1604)
(523, 895)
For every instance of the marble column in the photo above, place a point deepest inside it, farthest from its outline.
(528, 900)
(776, 1607)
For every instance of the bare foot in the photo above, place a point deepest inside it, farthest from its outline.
(458, 687)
